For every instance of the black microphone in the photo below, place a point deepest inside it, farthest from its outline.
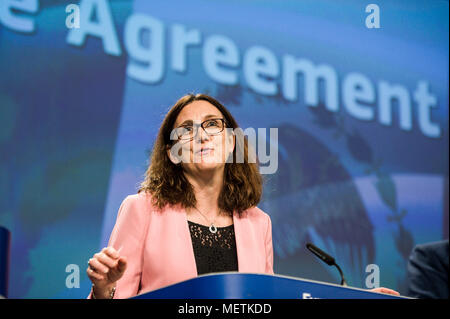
(326, 259)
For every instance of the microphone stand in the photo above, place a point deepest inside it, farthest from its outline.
(343, 282)
(319, 253)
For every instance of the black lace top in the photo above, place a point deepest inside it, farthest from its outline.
(213, 252)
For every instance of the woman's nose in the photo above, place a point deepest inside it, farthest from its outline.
(201, 135)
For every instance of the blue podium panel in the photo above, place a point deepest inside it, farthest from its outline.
(234, 285)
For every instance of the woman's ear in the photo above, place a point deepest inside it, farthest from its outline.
(172, 153)
(233, 136)
(230, 145)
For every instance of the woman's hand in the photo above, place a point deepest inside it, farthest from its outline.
(385, 291)
(105, 268)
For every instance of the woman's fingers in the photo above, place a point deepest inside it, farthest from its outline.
(106, 266)
(117, 272)
(97, 266)
(110, 252)
(386, 291)
(121, 264)
(94, 271)
(106, 260)
(390, 291)
(93, 275)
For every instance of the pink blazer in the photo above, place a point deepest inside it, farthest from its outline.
(158, 246)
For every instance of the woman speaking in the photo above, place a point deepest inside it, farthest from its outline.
(195, 212)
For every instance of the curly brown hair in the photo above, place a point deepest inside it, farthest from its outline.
(165, 181)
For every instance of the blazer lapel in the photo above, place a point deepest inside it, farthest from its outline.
(188, 259)
(243, 252)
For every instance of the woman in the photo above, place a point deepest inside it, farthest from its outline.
(194, 213)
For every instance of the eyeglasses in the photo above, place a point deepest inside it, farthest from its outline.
(210, 126)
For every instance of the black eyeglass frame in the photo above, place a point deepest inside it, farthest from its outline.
(196, 126)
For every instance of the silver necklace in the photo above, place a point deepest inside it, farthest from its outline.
(212, 227)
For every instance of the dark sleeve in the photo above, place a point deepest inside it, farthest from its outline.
(427, 272)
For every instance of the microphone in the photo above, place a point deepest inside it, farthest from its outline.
(326, 259)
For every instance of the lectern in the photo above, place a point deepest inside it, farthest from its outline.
(234, 285)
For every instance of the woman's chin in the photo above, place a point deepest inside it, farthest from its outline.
(207, 163)
(204, 165)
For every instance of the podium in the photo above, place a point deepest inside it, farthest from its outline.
(235, 285)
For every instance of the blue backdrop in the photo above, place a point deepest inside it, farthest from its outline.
(361, 113)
